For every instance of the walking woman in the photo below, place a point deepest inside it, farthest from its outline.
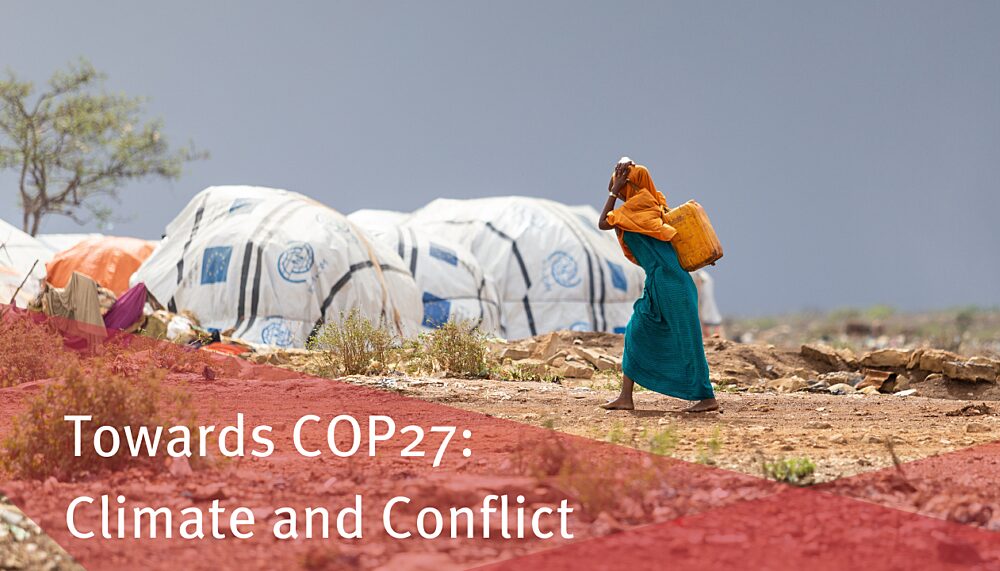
(663, 344)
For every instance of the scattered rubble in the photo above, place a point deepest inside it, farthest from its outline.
(971, 410)
(842, 389)
(24, 546)
(734, 366)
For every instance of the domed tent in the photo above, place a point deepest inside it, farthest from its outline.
(451, 279)
(18, 252)
(108, 260)
(378, 219)
(553, 269)
(272, 264)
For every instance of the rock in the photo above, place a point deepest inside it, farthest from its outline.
(604, 525)
(818, 387)
(836, 358)
(546, 346)
(977, 427)
(514, 353)
(573, 370)
(786, 385)
(533, 366)
(902, 383)
(818, 424)
(19, 534)
(11, 517)
(869, 391)
(973, 370)
(209, 492)
(971, 410)
(180, 467)
(600, 361)
(842, 389)
(933, 360)
(914, 361)
(906, 393)
(557, 359)
(934, 378)
(278, 357)
(889, 358)
(881, 380)
(838, 438)
(50, 484)
(847, 377)
(848, 357)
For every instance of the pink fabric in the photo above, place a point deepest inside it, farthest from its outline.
(128, 309)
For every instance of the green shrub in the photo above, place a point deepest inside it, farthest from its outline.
(663, 442)
(30, 351)
(41, 443)
(710, 448)
(459, 348)
(515, 372)
(354, 345)
(797, 471)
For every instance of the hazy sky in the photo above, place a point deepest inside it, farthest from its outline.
(847, 152)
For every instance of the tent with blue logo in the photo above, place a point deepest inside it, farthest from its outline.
(452, 282)
(271, 265)
(553, 267)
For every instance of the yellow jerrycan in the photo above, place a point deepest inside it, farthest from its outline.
(696, 244)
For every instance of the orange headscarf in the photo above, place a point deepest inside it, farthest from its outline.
(644, 210)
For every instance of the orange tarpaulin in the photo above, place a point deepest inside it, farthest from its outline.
(110, 261)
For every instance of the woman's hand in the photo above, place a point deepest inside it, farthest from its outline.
(623, 169)
(620, 180)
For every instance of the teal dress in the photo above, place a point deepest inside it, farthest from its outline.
(663, 345)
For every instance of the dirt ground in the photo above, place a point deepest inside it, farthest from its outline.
(843, 435)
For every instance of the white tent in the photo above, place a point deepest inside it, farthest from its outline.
(378, 219)
(555, 270)
(452, 281)
(708, 309)
(18, 251)
(273, 264)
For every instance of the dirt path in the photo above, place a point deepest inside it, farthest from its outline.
(842, 435)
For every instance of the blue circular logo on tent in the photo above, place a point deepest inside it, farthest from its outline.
(276, 333)
(296, 260)
(564, 269)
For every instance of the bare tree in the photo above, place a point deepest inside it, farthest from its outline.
(73, 144)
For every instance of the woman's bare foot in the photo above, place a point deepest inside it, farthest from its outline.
(620, 403)
(706, 405)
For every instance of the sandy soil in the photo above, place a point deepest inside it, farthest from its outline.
(842, 435)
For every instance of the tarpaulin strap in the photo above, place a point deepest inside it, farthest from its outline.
(381, 277)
